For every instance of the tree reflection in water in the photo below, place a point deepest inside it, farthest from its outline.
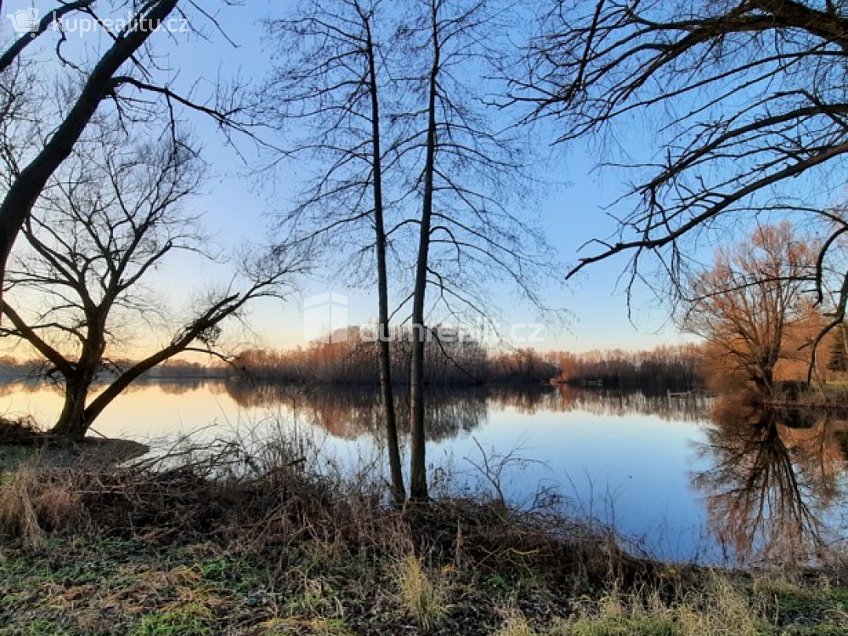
(775, 484)
(349, 411)
(774, 488)
(621, 403)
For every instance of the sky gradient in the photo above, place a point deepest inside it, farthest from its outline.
(239, 209)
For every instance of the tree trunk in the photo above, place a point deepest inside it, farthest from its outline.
(387, 395)
(384, 353)
(417, 446)
(768, 379)
(72, 423)
(764, 377)
(418, 476)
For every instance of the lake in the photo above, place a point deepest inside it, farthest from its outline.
(681, 479)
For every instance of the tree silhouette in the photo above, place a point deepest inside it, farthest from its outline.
(330, 79)
(744, 112)
(124, 75)
(434, 194)
(108, 219)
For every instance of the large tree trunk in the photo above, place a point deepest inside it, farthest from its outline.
(72, 422)
(89, 414)
(384, 353)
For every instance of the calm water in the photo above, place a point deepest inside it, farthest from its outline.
(682, 479)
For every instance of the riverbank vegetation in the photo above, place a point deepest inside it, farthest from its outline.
(264, 540)
(761, 332)
(676, 368)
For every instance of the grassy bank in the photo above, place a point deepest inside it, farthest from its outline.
(230, 542)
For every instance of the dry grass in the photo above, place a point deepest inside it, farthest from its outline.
(292, 550)
(422, 595)
(59, 507)
(719, 608)
(322, 534)
(316, 626)
(34, 501)
(273, 497)
(515, 624)
(18, 513)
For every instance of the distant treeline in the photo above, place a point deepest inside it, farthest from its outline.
(352, 359)
(184, 369)
(12, 370)
(666, 368)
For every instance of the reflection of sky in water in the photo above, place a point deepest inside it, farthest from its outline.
(625, 462)
(630, 471)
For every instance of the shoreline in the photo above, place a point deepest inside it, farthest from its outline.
(194, 546)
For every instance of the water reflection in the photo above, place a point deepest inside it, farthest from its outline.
(352, 411)
(176, 387)
(622, 403)
(774, 481)
(776, 485)
(757, 484)
(349, 412)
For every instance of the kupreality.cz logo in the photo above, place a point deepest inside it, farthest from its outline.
(24, 20)
(27, 20)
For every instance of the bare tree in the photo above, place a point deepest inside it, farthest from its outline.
(744, 100)
(750, 299)
(410, 146)
(108, 219)
(330, 82)
(469, 175)
(122, 75)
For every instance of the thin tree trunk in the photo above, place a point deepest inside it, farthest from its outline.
(418, 476)
(386, 392)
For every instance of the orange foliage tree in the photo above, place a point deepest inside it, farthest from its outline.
(752, 303)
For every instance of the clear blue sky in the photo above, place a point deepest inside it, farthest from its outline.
(238, 212)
